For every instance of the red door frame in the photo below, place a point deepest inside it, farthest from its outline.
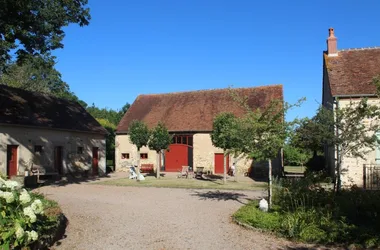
(219, 161)
(95, 160)
(12, 160)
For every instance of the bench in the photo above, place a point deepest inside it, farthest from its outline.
(37, 170)
(146, 168)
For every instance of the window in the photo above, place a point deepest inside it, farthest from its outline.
(143, 156)
(178, 139)
(124, 156)
(183, 139)
(80, 150)
(37, 149)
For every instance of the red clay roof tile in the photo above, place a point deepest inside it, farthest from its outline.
(352, 71)
(195, 111)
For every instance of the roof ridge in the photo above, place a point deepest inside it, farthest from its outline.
(355, 49)
(209, 90)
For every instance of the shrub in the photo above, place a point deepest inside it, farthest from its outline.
(251, 215)
(308, 211)
(22, 218)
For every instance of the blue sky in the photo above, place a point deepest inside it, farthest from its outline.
(159, 46)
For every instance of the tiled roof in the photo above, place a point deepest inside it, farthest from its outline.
(25, 108)
(352, 71)
(195, 111)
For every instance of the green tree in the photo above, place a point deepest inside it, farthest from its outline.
(110, 139)
(263, 133)
(348, 132)
(159, 141)
(35, 28)
(125, 108)
(295, 155)
(139, 136)
(224, 136)
(38, 74)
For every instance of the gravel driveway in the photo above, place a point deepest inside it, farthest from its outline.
(110, 217)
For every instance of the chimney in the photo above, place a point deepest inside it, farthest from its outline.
(332, 49)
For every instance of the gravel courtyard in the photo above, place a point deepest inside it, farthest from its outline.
(110, 217)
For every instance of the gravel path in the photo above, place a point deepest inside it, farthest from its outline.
(110, 217)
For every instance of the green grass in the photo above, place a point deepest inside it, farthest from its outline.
(251, 215)
(295, 169)
(170, 182)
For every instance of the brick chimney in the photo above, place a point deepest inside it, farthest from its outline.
(332, 49)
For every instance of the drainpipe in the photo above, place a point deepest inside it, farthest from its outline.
(336, 102)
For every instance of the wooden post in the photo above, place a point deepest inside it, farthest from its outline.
(270, 183)
(224, 168)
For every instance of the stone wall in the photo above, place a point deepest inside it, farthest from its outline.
(124, 146)
(27, 138)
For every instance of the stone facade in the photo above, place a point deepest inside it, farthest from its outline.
(203, 154)
(352, 167)
(124, 146)
(26, 138)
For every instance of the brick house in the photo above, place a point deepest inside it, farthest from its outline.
(347, 75)
(189, 118)
(55, 134)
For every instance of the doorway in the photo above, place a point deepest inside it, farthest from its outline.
(95, 161)
(58, 160)
(11, 160)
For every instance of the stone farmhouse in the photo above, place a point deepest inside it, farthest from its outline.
(55, 135)
(348, 75)
(189, 118)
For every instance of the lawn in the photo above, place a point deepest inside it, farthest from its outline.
(295, 169)
(172, 182)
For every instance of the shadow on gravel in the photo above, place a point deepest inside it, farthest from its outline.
(306, 248)
(62, 180)
(222, 196)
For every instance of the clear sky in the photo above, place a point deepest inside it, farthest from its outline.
(158, 46)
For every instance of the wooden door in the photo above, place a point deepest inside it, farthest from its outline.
(58, 159)
(11, 160)
(218, 163)
(95, 161)
(176, 157)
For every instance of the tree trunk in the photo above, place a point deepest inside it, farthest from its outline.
(224, 168)
(338, 173)
(270, 183)
(138, 164)
(158, 164)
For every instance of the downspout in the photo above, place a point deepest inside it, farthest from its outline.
(337, 166)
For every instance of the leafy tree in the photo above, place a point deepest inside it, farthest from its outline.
(138, 135)
(348, 132)
(38, 74)
(295, 155)
(313, 134)
(159, 141)
(224, 136)
(35, 28)
(110, 139)
(263, 134)
(125, 108)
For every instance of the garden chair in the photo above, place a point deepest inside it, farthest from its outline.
(184, 172)
(132, 172)
(198, 172)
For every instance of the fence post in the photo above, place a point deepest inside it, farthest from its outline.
(364, 177)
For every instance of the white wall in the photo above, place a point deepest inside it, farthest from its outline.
(26, 138)
(352, 167)
(124, 145)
